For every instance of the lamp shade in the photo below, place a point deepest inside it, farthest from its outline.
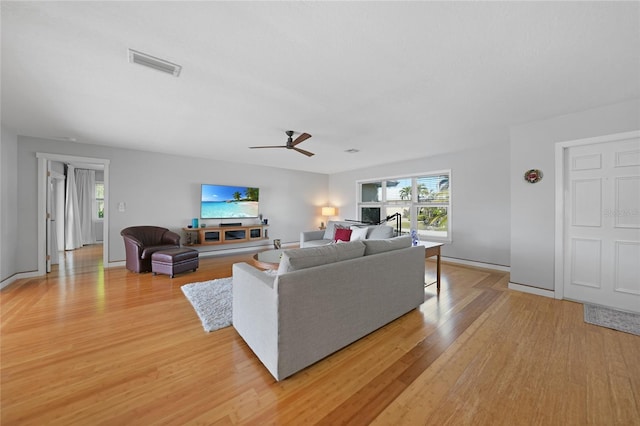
(328, 211)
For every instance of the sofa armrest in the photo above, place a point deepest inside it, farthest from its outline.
(133, 241)
(310, 236)
(171, 237)
(255, 312)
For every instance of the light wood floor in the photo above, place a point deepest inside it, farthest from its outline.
(90, 346)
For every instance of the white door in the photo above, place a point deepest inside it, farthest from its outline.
(602, 223)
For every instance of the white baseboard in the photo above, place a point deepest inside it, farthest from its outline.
(17, 277)
(532, 290)
(122, 263)
(476, 264)
(244, 249)
(8, 281)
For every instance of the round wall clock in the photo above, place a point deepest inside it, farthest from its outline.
(533, 175)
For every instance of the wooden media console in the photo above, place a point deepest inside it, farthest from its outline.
(225, 234)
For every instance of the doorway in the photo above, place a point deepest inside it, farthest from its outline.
(600, 221)
(45, 225)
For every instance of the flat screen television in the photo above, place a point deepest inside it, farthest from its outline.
(228, 202)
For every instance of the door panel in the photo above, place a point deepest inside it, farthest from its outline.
(585, 270)
(587, 202)
(602, 241)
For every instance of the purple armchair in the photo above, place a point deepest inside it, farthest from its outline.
(140, 242)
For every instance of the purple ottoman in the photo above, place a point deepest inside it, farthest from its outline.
(174, 261)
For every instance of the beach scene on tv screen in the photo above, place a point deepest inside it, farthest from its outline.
(219, 202)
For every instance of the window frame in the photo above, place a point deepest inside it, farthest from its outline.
(412, 205)
(96, 201)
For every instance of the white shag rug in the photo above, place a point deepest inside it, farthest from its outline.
(212, 301)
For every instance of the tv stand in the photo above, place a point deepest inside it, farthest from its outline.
(225, 234)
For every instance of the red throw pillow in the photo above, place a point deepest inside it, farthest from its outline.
(342, 234)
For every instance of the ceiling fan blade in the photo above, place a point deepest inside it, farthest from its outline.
(303, 137)
(268, 146)
(302, 151)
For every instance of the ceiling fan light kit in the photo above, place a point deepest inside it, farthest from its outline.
(291, 144)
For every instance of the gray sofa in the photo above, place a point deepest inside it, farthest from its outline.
(324, 298)
(325, 236)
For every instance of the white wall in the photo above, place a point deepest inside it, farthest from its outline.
(8, 203)
(479, 197)
(164, 190)
(533, 206)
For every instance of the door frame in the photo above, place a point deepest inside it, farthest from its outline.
(52, 179)
(561, 149)
(43, 158)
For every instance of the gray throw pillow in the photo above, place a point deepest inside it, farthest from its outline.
(350, 250)
(380, 232)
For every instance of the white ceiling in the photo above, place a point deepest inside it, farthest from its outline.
(396, 80)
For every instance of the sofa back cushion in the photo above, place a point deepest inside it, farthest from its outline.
(295, 259)
(380, 232)
(302, 258)
(350, 250)
(381, 246)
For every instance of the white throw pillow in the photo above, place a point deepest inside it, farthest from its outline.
(358, 233)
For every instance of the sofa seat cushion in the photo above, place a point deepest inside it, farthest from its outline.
(381, 246)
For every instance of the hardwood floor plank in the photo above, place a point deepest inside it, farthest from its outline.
(85, 345)
(368, 402)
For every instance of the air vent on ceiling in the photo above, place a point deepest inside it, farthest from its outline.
(158, 64)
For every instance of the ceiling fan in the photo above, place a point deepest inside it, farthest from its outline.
(291, 144)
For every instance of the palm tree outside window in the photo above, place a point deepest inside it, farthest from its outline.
(423, 200)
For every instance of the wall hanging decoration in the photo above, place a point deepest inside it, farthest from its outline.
(533, 175)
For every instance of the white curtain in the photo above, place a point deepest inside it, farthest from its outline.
(72, 232)
(86, 187)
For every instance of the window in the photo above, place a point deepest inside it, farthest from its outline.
(99, 200)
(423, 202)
